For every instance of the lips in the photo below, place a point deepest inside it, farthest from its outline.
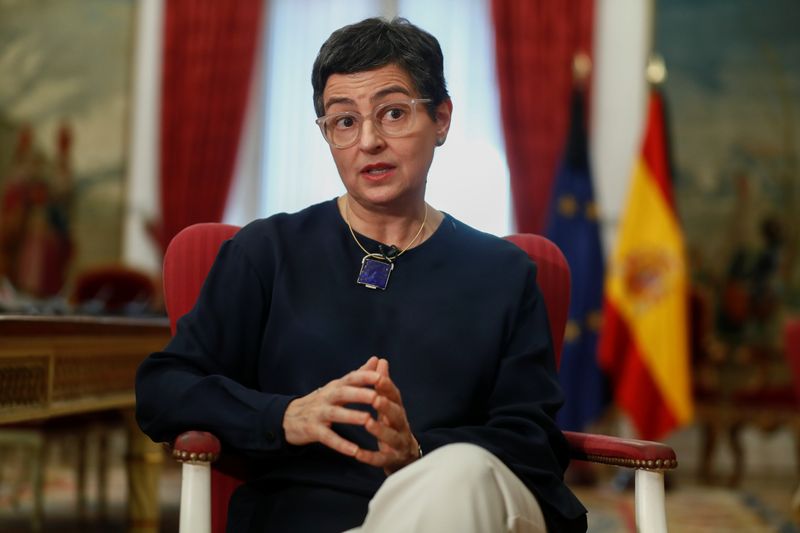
(377, 171)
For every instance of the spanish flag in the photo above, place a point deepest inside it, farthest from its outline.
(643, 345)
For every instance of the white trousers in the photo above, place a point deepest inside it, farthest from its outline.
(459, 487)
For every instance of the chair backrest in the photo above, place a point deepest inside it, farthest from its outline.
(554, 281)
(191, 253)
(187, 261)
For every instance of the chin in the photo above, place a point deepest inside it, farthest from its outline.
(380, 195)
(386, 194)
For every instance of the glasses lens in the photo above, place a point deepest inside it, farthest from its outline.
(342, 129)
(395, 119)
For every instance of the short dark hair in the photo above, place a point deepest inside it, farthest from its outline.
(377, 42)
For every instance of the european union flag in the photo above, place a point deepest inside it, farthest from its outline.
(572, 225)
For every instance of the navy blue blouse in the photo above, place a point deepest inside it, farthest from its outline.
(462, 324)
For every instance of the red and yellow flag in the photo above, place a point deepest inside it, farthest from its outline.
(643, 343)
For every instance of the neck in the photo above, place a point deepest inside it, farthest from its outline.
(389, 227)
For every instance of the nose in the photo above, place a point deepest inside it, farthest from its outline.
(371, 139)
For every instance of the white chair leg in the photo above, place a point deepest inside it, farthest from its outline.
(195, 514)
(650, 513)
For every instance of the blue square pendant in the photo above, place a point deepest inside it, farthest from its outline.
(374, 273)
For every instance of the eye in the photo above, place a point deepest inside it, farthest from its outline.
(394, 113)
(344, 122)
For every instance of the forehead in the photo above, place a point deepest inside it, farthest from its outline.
(367, 85)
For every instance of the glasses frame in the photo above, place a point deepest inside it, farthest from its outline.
(360, 119)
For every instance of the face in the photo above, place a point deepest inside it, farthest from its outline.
(384, 172)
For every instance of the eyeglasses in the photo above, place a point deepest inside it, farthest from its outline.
(392, 119)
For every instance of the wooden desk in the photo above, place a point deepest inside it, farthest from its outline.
(58, 366)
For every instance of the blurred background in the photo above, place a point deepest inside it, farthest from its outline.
(123, 121)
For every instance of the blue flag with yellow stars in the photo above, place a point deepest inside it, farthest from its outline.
(572, 224)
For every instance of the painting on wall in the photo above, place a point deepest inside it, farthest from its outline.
(65, 72)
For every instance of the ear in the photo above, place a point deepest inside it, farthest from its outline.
(443, 114)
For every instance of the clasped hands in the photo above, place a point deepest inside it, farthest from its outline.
(309, 418)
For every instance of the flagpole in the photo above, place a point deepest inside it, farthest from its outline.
(655, 70)
(651, 26)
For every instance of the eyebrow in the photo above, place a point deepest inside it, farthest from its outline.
(377, 96)
(389, 90)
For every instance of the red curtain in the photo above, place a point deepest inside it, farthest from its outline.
(535, 43)
(209, 51)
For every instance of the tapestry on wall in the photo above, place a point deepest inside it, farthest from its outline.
(734, 93)
(734, 90)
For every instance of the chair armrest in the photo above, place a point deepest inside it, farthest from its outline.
(617, 451)
(196, 446)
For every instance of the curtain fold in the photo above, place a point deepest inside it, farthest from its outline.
(535, 42)
(209, 52)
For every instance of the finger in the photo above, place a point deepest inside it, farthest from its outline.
(360, 378)
(334, 441)
(383, 367)
(386, 387)
(371, 364)
(373, 458)
(391, 410)
(350, 394)
(343, 415)
(385, 434)
(391, 414)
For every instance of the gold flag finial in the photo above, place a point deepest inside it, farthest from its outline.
(656, 70)
(581, 67)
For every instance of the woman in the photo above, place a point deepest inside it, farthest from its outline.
(343, 364)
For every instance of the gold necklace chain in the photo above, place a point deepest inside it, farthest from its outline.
(419, 232)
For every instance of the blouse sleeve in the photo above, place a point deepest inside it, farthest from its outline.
(205, 378)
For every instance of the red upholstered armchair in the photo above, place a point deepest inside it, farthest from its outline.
(206, 490)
